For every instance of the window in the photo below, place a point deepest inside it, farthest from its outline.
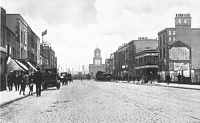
(169, 32)
(163, 52)
(174, 32)
(163, 39)
(185, 21)
(179, 21)
(170, 39)
(174, 39)
(160, 40)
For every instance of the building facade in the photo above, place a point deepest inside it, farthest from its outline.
(3, 51)
(108, 65)
(97, 63)
(186, 34)
(13, 45)
(33, 48)
(121, 62)
(47, 57)
(125, 57)
(147, 64)
(17, 24)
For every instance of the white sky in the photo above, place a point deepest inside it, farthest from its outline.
(77, 27)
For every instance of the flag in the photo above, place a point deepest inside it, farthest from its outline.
(44, 33)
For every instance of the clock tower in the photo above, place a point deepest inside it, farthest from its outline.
(97, 60)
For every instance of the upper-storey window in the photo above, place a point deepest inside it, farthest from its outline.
(169, 32)
(174, 32)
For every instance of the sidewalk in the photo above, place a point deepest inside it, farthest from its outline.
(7, 97)
(175, 85)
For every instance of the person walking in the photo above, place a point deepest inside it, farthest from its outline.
(38, 81)
(15, 79)
(23, 84)
(30, 83)
(18, 80)
(10, 81)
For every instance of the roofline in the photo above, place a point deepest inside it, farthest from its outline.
(170, 46)
(166, 29)
(25, 22)
(147, 50)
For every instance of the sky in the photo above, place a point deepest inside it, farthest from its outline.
(76, 27)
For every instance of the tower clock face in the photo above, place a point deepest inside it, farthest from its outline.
(97, 62)
(97, 54)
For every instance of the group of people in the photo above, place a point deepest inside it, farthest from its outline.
(65, 78)
(20, 80)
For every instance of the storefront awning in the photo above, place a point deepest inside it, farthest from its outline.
(146, 66)
(22, 65)
(13, 66)
(32, 66)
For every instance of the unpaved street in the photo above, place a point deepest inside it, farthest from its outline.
(106, 102)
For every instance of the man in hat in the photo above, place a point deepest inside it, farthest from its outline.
(38, 81)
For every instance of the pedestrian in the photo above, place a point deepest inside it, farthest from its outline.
(23, 83)
(18, 80)
(30, 83)
(10, 81)
(179, 78)
(168, 79)
(15, 79)
(38, 80)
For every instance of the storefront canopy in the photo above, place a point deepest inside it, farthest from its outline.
(22, 65)
(31, 66)
(13, 66)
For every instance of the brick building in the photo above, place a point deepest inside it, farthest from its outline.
(109, 64)
(17, 24)
(47, 57)
(125, 57)
(186, 34)
(33, 48)
(147, 64)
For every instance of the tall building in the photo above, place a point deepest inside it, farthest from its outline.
(13, 44)
(121, 62)
(3, 51)
(48, 58)
(17, 24)
(97, 63)
(23, 43)
(187, 35)
(125, 57)
(147, 64)
(33, 47)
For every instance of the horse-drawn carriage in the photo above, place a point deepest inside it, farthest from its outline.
(65, 78)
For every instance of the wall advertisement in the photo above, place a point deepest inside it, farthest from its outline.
(179, 53)
(181, 66)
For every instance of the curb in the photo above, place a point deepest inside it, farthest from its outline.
(168, 86)
(16, 99)
(177, 87)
